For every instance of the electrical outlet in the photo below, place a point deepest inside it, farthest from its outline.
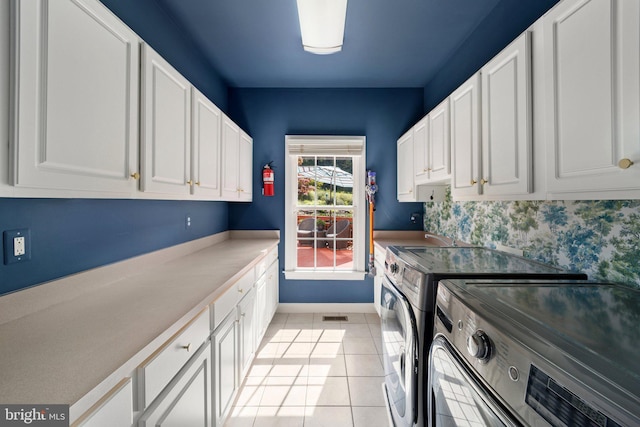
(187, 221)
(17, 245)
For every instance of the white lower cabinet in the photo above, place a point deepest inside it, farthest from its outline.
(273, 290)
(261, 307)
(225, 371)
(247, 329)
(186, 401)
(155, 373)
(192, 379)
(114, 409)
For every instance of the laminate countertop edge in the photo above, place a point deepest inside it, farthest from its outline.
(77, 343)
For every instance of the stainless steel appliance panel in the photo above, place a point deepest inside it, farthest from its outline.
(549, 351)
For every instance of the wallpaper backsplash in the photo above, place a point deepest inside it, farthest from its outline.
(600, 238)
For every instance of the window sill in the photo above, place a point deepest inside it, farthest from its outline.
(325, 275)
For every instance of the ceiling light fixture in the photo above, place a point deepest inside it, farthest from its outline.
(322, 25)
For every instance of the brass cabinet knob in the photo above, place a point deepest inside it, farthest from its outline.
(187, 347)
(484, 181)
(135, 175)
(625, 163)
(198, 183)
(241, 290)
(190, 182)
(474, 182)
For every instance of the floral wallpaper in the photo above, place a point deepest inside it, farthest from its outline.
(600, 238)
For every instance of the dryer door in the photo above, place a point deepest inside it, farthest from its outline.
(455, 397)
(400, 354)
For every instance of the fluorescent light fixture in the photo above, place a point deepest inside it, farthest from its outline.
(322, 25)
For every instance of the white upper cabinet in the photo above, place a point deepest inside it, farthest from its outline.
(439, 143)
(592, 84)
(205, 150)
(166, 127)
(405, 168)
(431, 145)
(75, 98)
(245, 168)
(465, 139)
(421, 158)
(507, 162)
(237, 162)
(491, 124)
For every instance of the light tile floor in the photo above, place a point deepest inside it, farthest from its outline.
(309, 372)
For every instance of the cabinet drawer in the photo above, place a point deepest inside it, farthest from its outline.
(155, 373)
(262, 266)
(228, 301)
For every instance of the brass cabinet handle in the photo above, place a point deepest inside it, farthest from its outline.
(198, 183)
(474, 182)
(190, 182)
(625, 163)
(135, 175)
(484, 181)
(186, 347)
(240, 290)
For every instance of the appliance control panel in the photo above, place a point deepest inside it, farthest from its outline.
(523, 380)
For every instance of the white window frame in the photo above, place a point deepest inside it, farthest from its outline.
(340, 146)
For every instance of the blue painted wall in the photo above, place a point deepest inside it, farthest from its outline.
(506, 22)
(72, 235)
(382, 115)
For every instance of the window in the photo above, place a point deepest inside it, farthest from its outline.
(325, 208)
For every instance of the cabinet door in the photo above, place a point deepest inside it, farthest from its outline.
(439, 143)
(262, 308)
(245, 167)
(421, 151)
(75, 98)
(230, 159)
(273, 290)
(465, 138)
(205, 134)
(225, 372)
(187, 400)
(592, 84)
(246, 315)
(507, 165)
(114, 409)
(405, 168)
(166, 126)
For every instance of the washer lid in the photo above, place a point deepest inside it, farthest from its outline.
(478, 261)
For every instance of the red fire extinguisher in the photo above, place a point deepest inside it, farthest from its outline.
(267, 180)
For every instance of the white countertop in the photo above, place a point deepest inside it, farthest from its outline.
(102, 329)
(385, 238)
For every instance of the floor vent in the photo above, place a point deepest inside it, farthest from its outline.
(335, 319)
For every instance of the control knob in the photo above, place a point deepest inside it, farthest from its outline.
(479, 346)
(394, 268)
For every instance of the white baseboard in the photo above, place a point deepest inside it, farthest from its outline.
(326, 308)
